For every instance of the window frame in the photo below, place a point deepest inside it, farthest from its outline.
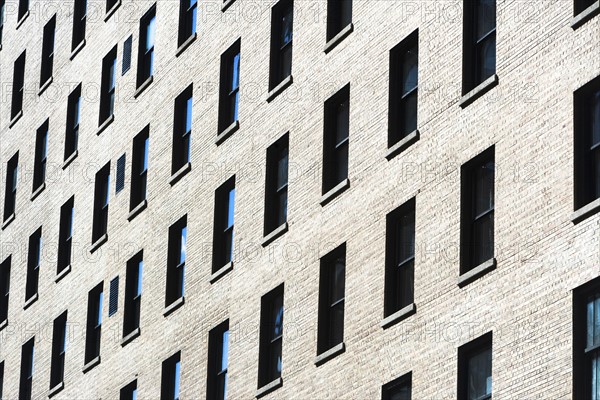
(465, 353)
(40, 156)
(27, 369)
(94, 323)
(65, 235)
(10, 196)
(73, 121)
(108, 86)
(274, 191)
(400, 382)
(101, 203)
(127, 392)
(139, 168)
(326, 324)
(270, 343)
(175, 281)
(171, 377)
(333, 149)
(188, 18)
(59, 348)
(229, 88)
(145, 67)
(5, 270)
(79, 24)
(48, 43)
(223, 233)
(216, 381)
(34, 261)
(181, 154)
(18, 86)
(133, 294)
(335, 17)
(22, 10)
(280, 10)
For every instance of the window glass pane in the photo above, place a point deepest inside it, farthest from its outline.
(336, 324)
(409, 113)
(342, 163)
(99, 309)
(134, 394)
(285, 68)
(406, 236)
(188, 115)
(70, 228)
(77, 110)
(235, 73)
(138, 289)
(183, 246)
(277, 317)
(399, 393)
(486, 54)
(338, 280)
(112, 74)
(225, 350)
(342, 121)
(410, 70)
(150, 33)
(484, 188)
(480, 374)
(282, 207)
(145, 159)
(596, 118)
(286, 27)
(404, 285)
(15, 176)
(486, 17)
(230, 207)
(596, 171)
(282, 169)
(275, 362)
(595, 376)
(176, 384)
(483, 239)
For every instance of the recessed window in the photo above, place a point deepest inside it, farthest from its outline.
(229, 87)
(398, 389)
(34, 259)
(26, 380)
(276, 199)
(133, 294)
(339, 16)
(94, 323)
(48, 51)
(282, 25)
(218, 354)
(129, 392)
(23, 8)
(336, 139)
(139, 168)
(271, 337)
(73, 116)
(477, 211)
(176, 261)
(479, 42)
(107, 86)
(171, 371)
(586, 340)
(59, 347)
(18, 86)
(331, 299)
(182, 130)
(582, 5)
(146, 49)
(187, 19)
(12, 176)
(41, 156)
(4, 288)
(101, 197)
(400, 258)
(65, 235)
(79, 20)
(223, 226)
(475, 369)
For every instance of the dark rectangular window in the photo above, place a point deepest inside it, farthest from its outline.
(587, 143)
(276, 185)
(187, 20)
(477, 211)
(475, 369)
(133, 294)
(139, 168)
(223, 225)
(79, 19)
(65, 235)
(113, 296)
(2, 10)
(129, 392)
(94, 323)
(48, 51)
(586, 341)
(479, 42)
(110, 4)
(12, 176)
(229, 87)
(107, 86)
(582, 5)
(336, 139)
(18, 86)
(400, 258)
(59, 347)
(101, 197)
(1, 378)
(41, 156)
(331, 299)
(282, 25)
(339, 16)
(73, 115)
(127, 50)
(34, 259)
(177, 253)
(218, 352)
(182, 130)
(398, 389)
(120, 181)
(171, 371)
(146, 49)
(23, 8)
(4, 288)
(271, 337)
(404, 63)
(26, 369)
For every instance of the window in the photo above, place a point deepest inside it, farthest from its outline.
(586, 341)
(59, 347)
(218, 351)
(2, 7)
(133, 294)
(18, 87)
(182, 130)
(475, 369)
(23, 9)
(139, 168)
(146, 49)
(110, 4)
(34, 260)
(587, 143)
(1, 377)
(404, 62)
(335, 151)
(187, 20)
(176, 261)
(41, 156)
(94, 323)
(230, 87)
(271, 337)
(171, 370)
(10, 198)
(4, 289)
(73, 115)
(79, 19)
(107, 86)
(26, 370)
(65, 235)
(400, 258)
(331, 299)
(479, 43)
(48, 51)
(101, 197)
(223, 226)
(281, 42)
(398, 389)
(582, 5)
(276, 185)
(339, 16)
(477, 211)
(129, 392)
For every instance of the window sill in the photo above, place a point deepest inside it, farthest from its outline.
(283, 228)
(110, 12)
(585, 15)
(23, 18)
(69, 160)
(227, 132)
(77, 49)
(56, 389)
(174, 306)
(96, 245)
(221, 272)
(269, 387)
(45, 86)
(135, 333)
(138, 209)
(402, 145)
(105, 124)
(37, 191)
(399, 316)
(180, 174)
(186, 44)
(15, 119)
(281, 86)
(478, 91)
(337, 39)
(585, 211)
(329, 354)
(62, 273)
(143, 86)
(3, 324)
(226, 5)
(336, 191)
(8, 220)
(30, 301)
(477, 272)
(87, 367)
